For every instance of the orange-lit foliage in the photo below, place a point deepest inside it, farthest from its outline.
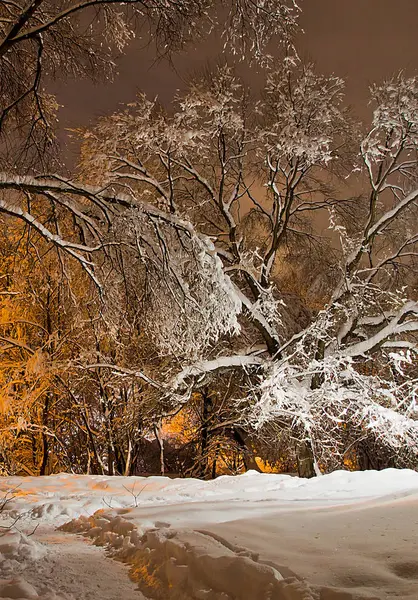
(183, 432)
(34, 349)
(351, 462)
(267, 467)
(181, 427)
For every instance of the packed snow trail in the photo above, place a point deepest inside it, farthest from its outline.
(344, 536)
(63, 567)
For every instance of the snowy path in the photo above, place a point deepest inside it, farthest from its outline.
(71, 568)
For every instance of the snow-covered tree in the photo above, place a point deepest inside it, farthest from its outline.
(42, 40)
(208, 159)
(340, 382)
(349, 378)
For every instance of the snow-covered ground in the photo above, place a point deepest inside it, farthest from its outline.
(342, 536)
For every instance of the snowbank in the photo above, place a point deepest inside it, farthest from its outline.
(16, 551)
(60, 497)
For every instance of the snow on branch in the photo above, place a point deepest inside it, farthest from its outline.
(395, 326)
(345, 409)
(204, 367)
(189, 301)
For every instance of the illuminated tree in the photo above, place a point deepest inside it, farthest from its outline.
(41, 40)
(35, 344)
(198, 161)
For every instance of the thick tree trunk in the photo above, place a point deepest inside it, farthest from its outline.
(304, 454)
(305, 460)
(318, 378)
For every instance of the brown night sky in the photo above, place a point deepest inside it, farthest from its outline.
(360, 40)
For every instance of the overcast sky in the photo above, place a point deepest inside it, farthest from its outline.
(360, 40)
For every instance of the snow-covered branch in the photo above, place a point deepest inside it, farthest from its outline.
(204, 367)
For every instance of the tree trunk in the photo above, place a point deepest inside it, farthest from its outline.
(204, 432)
(48, 396)
(304, 454)
(159, 438)
(128, 459)
(305, 460)
(215, 462)
(241, 437)
(318, 378)
(45, 442)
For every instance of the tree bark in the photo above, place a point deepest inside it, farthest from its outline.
(305, 460)
(204, 432)
(45, 444)
(159, 438)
